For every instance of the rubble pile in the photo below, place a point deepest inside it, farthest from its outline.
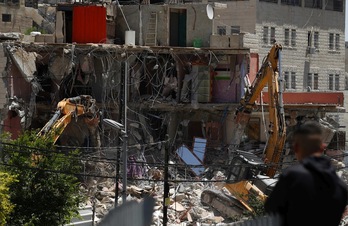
(185, 207)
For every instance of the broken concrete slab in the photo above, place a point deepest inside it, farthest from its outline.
(177, 207)
(59, 67)
(25, 62)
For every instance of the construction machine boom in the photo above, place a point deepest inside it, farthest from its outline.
(69, 108)
(267, 75)
(245, 165)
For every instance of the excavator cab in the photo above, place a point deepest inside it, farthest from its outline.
(244, 166)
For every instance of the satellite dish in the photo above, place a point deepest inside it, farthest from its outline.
(210, 11)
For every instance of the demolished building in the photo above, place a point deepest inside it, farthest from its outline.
(186, 94)
(182, 99)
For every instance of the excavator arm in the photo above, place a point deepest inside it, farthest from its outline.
(267, 75)
(69, 108)
(243, 163)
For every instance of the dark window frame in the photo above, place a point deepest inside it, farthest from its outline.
(316, 39)
(293, 37)
(337, 41)
(235, 30)
(221, 30)
(337, 82)
(291, 2)
(293, 80)
(287, 79)
(286, 37)
(331, 81)
(265, 35)
(272, 37)
(331, 41)
(315, 4)
(6, 17)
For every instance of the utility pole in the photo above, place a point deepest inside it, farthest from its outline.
(166, 199)
(125, 136)
(120, 111)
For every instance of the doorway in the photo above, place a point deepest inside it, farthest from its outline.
(177, 27)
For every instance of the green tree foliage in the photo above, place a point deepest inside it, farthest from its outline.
(29, 30)
(6, 206)
(47, 192)
(257, 205)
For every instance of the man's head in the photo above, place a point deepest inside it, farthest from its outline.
(307, 140)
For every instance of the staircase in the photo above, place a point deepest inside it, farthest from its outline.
(151, 35)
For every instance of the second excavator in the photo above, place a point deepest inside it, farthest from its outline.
(248, 173)
(67, 109)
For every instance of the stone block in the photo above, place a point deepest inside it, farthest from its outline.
(219, 41)
(28, 38)
(45, 38)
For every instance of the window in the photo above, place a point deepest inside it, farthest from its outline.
(291, 2)
(272, 38)
(309, 41)
(331, 82)
(313, 81)
(290, 80)
(221, 30)
(265, 35)
(335, 5)
(337, 41)
(337, 82)
(293, 37)
(316, 82)
(12, 2)
(6, 17)
(235, 30)
(334, 41)
(331, 41)
(313, 39)
(273, 1)
(287, 80)
(287, 37)
(268, 37)
(313, 4)
(316, 40)
(293, 80)
(309, 80)
(290, 34)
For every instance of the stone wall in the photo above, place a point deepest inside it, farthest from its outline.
(20, 21)
(197, 26)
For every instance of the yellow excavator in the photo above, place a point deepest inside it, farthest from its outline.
(248, 173)
(67, 109)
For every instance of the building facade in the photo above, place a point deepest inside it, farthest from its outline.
(311, 32)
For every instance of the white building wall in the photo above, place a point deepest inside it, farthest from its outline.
(324, 61)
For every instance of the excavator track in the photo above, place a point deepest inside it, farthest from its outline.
(228, 206)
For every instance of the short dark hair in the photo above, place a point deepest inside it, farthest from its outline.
(309, 137)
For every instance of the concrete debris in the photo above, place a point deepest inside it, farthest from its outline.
(177, 207)
(25, 62)
(59, 67)
(185, 207)
(10, 36)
